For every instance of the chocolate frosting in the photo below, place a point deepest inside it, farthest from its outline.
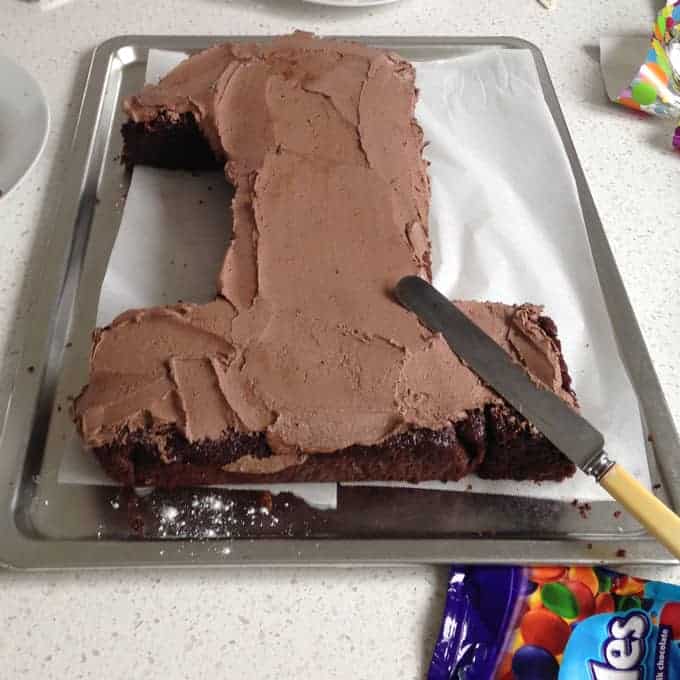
(304, 341)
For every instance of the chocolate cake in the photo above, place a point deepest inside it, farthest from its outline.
(304, 368)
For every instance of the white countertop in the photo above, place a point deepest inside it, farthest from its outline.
(298, 623)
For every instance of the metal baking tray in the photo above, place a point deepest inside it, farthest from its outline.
(44, 524)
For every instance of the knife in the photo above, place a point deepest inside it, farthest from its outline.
(566, 429)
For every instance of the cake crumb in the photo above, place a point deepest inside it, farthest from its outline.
(617, 514)
(650, 438)
(30, 369)
(267, 501)
(656, 486)
(69, 345)
(621, 552)
(590, 546)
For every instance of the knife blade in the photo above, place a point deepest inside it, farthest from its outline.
(565, 428)
(562, 425)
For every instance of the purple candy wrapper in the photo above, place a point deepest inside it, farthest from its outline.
(478, 619)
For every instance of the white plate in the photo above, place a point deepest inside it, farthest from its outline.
(351, 3)
(24, 121)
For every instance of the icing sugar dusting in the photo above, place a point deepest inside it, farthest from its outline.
(212, 516)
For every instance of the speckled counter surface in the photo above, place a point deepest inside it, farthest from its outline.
(300, 623)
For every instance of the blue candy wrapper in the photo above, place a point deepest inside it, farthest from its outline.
(556, 623)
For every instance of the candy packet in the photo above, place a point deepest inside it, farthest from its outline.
(556, 623)
(655, 88)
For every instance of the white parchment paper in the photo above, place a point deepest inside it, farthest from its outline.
(505, 225)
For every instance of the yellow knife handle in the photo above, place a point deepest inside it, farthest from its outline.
(656, 517)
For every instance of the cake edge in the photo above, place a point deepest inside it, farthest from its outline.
(496, 443)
